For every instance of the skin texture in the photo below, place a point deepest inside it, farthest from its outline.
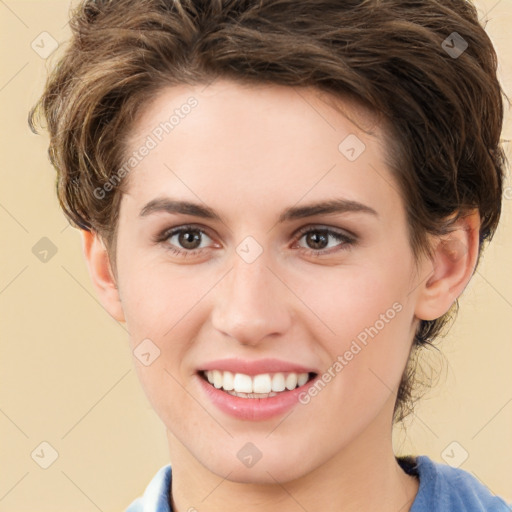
(249, 153)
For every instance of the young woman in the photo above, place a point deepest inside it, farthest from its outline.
(283, 200)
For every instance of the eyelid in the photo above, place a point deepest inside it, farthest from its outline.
(166, 233)
(162, 236)
(346, 238)
(345, 241)
(324, 227)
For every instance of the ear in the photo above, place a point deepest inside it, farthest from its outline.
(98, 264)
(452, 264)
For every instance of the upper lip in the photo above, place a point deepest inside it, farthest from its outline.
(255, 367)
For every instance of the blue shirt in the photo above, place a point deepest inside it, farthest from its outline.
(441, 489)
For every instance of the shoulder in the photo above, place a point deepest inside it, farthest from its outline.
(156, 495)
(444, 488)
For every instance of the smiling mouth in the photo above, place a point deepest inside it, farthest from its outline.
(265, 385)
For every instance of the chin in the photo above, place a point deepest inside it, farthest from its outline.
(275, 467)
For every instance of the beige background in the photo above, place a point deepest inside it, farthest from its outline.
(67, 373)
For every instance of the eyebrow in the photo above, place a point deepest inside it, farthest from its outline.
(294, 212)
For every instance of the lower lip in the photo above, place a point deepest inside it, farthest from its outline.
(254, 409)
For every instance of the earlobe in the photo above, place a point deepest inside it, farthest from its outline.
(98, 264)
(452, 264)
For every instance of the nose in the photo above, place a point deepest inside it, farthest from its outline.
(251, 303)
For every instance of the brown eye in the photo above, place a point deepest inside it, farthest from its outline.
(185, 240)
(319, 240)
(188, 239)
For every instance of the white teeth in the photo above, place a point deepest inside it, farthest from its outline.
(217, 379)
(278, 382)
(291, 381)
(262, 384)
(242, 383)
(229, 381)
(302, 379)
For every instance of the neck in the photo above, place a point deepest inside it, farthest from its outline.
(363, 476)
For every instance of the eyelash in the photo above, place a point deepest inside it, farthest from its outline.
(346, 240)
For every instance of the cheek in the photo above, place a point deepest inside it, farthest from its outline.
(160, 303)
(356, 302)
(157, 298)
(369, 314)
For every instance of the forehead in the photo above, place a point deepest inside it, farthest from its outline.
(259, 142)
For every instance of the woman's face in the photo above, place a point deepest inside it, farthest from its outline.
(266, 285)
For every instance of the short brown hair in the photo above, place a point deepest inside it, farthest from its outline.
(427, 67)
